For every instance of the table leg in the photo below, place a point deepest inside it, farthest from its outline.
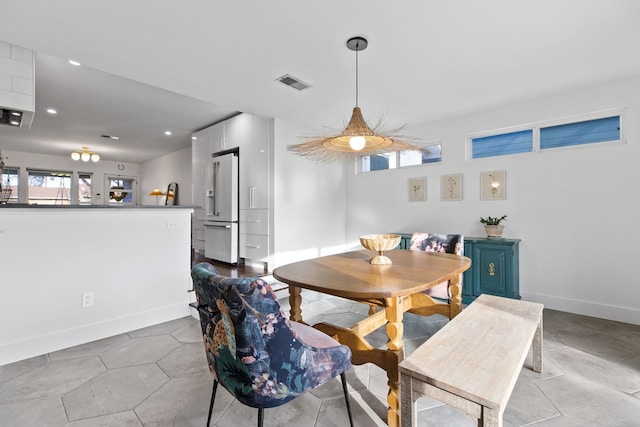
(455, 289)
(395, 329)
(537, 347)
(295, 299)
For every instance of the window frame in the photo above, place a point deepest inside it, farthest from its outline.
(360, 159)
(15, 196)
(537, 126)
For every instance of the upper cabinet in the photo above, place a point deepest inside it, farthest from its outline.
(254, 165)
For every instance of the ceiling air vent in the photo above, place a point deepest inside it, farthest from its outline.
(293, 82)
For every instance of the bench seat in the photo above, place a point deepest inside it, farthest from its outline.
(473, 362)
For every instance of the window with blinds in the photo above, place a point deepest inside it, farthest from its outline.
(592, 128)
(579, 133)
(502, 144)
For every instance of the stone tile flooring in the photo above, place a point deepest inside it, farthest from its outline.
(158, 376)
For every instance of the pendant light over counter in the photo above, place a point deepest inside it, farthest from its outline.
(357, 139)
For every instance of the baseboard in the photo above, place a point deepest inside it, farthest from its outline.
(586, 308)
(35, 346)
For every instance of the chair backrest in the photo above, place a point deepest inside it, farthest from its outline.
(251, 349)
(428, 242)
(448, 243)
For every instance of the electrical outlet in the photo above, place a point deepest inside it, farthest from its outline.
(87, 299)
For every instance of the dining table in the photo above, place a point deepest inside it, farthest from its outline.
(390, 290)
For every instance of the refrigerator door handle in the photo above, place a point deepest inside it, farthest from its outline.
(218, 225)
(216, 179)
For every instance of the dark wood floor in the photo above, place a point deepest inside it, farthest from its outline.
(230, 270)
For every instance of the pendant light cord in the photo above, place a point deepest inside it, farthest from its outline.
(357, 49)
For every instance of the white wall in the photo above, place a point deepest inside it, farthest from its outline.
(136, 261)
(158, 173)
(24, 160)
(576, 210)
(309, 199)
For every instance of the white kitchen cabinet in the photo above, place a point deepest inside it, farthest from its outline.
(254, 169)
(254, 247)
(237, 131)
(200, 153)
(215, 138)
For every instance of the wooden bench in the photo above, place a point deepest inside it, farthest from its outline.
(473, 362)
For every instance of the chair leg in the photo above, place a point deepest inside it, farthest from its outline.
(346, 396)
(260, 416)
(213, 398)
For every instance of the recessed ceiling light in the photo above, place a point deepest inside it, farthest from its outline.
(72, 62)
(14, 123)
(16, 113)
(194, 138)
(167, 132)
(51, 111)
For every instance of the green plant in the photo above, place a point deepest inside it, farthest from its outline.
(490, 220)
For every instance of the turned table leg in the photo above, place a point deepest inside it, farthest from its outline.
(395, 329)
(295, 299)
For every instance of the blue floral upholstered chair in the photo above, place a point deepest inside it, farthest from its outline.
(448, 243)
(259, 356)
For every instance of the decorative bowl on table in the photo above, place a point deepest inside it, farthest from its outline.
(380, 243)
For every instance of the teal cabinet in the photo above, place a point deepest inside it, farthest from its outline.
(494, 268)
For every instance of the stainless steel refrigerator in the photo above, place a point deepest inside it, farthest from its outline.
(221, 208)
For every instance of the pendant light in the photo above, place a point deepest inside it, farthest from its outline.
(85, 155)
(358, 138)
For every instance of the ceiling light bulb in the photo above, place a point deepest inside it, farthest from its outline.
(75, 155)
(14, 123)
(51, 111)
(95, 157)
(85, 156)
(167, 132)
(72, 62)
(357, 143)
(15, 113)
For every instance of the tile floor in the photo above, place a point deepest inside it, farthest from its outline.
(158, 376)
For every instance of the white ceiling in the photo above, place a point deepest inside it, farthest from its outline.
(426, 60)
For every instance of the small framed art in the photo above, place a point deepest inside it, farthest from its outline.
(417, 189)
(493, 185)
(451, 187)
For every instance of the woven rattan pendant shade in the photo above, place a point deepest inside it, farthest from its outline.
(338, 147)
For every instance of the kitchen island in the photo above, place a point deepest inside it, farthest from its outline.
(74, 274)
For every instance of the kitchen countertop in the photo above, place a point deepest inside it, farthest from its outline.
(28, 206)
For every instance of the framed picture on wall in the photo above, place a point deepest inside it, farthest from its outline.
(451, 187)
(417, 189)
(493, 185)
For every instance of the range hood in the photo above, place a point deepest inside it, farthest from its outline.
(17, 85)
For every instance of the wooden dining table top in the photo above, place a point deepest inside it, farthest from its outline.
(350, 275)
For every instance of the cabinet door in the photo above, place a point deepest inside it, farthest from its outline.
(199, 156)
(491, 272)
(254, 171)
(237, 131)
(215, 137)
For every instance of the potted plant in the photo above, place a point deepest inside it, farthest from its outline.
(492, 225)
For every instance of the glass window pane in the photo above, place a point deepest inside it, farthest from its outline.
(84, 188)
(499, 145)
(587, 132)
(429, 154)
(9, 181)
(378, 162)
(49, 187)
(121, 190)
